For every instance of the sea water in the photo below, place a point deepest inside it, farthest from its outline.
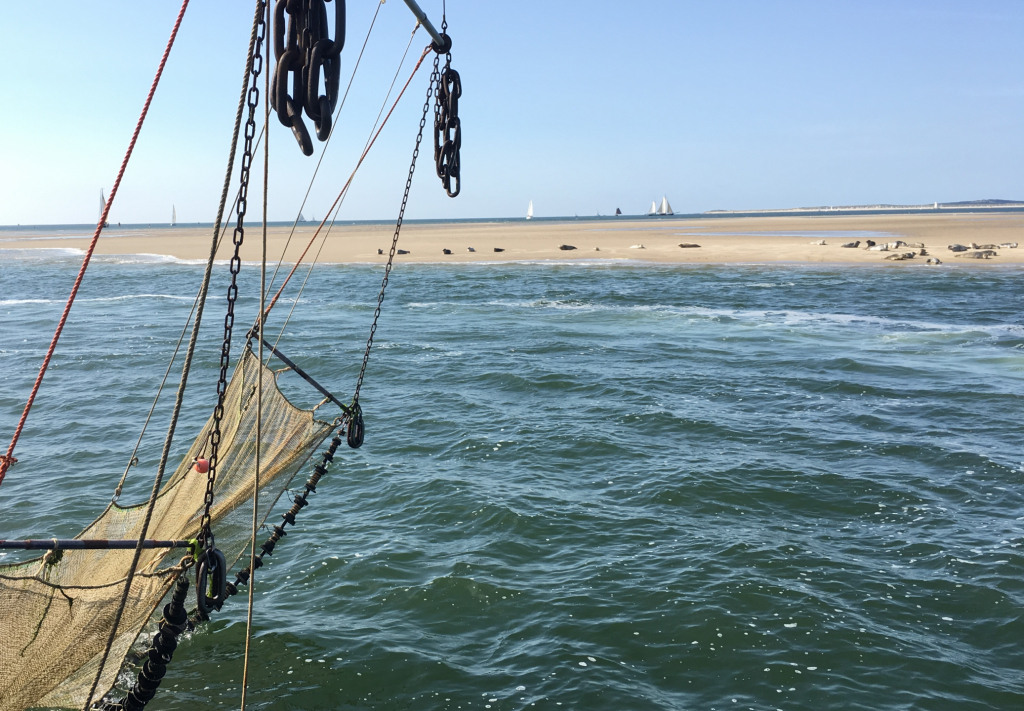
(584, 485)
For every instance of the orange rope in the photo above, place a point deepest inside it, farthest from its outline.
(8, 459)
(347, 183)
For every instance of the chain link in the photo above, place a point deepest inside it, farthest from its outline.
(234, 266)
(435, 78)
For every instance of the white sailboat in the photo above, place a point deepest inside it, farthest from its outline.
(529, 211)
(665, 208)
(103, 206)
(654, 208)
(174, 216)
(301, 218)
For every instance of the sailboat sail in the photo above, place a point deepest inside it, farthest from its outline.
(174, 216)
(103, 205)
(654, 208)
(301, 218)
(618, 212)
(665, 208)
(529, 211)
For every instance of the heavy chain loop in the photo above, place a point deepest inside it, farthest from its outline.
(308, 52)
(252, 100)
(357, 422)
(447, 126)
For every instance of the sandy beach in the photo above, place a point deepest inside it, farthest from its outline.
(720, 240)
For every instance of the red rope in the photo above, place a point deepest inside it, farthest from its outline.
(347, 184)
(8, 459)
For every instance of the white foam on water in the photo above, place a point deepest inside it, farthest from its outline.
(129, 297)
(42, 253)
(15, 302)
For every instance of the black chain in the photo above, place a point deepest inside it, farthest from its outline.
(447, 126)
(287, 518)
(234, 266)
(309, 50)
(434, 79)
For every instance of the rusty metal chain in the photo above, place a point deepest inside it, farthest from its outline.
(308, 52)
(235, 265)
(356, 417)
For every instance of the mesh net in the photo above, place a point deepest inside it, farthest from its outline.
(55, 619)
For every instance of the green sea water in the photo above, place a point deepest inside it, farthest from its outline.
(584, 486)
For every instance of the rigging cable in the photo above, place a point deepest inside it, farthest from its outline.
(415, 69)
(334, 124)
(8, 459)
(355, 437)
(259, 391)
(323, 241)
(133, 459)
(78, 281)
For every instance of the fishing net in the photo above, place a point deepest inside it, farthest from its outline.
(56, 612)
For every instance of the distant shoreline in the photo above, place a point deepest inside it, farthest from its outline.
(839, 212)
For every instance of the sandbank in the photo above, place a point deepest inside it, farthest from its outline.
(722, 240)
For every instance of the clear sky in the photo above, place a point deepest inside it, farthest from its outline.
(581, 107)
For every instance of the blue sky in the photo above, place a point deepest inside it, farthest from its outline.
(580, 106)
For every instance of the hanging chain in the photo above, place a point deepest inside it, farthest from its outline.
(309, 48)
(435, 77)
(447, 126)
(234, 266)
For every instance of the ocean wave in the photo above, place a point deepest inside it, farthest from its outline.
(781, 317)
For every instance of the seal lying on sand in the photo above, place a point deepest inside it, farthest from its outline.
(566, 247)
(499, 249)
(1008, 245)
(446, 251)
(981, 254)
(851, 245)
(403, 251)
(957, 248)
(688, 245)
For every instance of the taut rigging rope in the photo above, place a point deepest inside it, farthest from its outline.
(435, 79)
(348, 182)
(295, 222)
(259, 394)
(323, 241)
(217, 236)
